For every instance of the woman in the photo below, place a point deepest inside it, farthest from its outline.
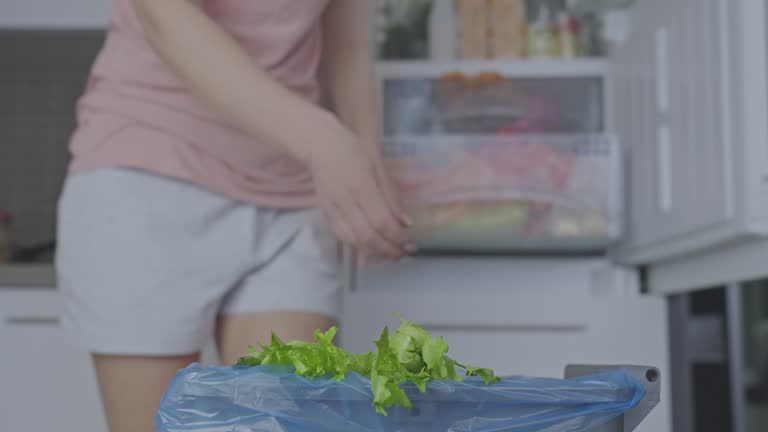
(199, 150)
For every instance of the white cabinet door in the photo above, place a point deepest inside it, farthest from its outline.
(689, 102)
(46, 384)
(519, 317)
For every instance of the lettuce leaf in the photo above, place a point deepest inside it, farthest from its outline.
(387, 373)
(409, 354)
(312, 360)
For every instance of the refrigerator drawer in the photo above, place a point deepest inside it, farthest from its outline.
(510, 193)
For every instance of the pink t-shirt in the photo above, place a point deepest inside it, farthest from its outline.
(136, 114)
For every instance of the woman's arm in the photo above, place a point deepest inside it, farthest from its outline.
(215, 68)
(193, 45)
(349, 71)
(349, 67)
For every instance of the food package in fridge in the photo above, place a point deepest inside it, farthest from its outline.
(473, 28)
(508, 28)
(510, 192)
(489, 103)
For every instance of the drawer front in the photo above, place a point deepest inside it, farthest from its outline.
(47, 382)
(488, 103)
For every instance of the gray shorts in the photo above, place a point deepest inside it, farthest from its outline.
(147, 263)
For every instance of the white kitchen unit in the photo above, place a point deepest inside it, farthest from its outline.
(46, 383)
(54, 14)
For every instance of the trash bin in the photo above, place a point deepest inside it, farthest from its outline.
(273, 399)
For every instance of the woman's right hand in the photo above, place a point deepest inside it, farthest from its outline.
(352, 196)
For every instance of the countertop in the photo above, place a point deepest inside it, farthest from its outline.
(27, 276)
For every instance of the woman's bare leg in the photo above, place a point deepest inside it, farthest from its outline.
(131, 388)
(236, 332)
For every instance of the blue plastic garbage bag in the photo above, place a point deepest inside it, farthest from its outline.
(273, 399)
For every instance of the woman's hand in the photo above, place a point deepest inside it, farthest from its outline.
(357, 196)
(391, 194)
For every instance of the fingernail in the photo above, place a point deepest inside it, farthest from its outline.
(411, 248)
(407, 220)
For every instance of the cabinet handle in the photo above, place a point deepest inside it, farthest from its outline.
(665, 168)
(33, 321)
(662, 70)
(507, 328)
(349, 268)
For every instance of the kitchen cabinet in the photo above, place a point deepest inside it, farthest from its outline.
(54, 14)
(46, 383)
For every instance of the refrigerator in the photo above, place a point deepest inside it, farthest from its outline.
(685, 95)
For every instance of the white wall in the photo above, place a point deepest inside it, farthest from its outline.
(54, 13)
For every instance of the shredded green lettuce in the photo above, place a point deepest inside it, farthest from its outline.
(410, 354)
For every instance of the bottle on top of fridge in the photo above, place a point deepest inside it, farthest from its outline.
(473, 28)
(591, 35)
(542, 33)
(569, 33)
(508, 28)
(443, 33)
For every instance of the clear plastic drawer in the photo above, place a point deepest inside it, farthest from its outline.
(489, 104)
(507, 192)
